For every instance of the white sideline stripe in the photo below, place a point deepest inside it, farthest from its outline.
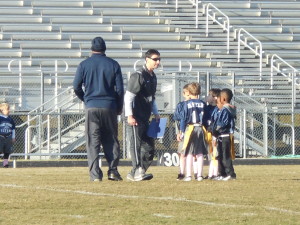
(162, 215)
(77, 216)
(151, 198)
(282, 210)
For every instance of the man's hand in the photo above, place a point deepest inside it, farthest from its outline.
(131, 121)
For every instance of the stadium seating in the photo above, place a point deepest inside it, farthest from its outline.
(130, 27)
(39, 32)
(43, 30)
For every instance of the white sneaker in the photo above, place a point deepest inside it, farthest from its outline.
(97, 180)
(139, 174)
(228, 178)
(131, 178)
(200, 178)
(218, 178)
(187, 179)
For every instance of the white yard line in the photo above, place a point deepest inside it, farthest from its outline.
(162, 215)
(284, 211)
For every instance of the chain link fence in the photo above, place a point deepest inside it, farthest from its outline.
(55, 129)
(263, 128)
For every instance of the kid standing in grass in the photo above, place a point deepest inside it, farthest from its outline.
(191, 131)
(7, 133)
(212, 150)
(232, 110)
(222, 128)
(177, 117)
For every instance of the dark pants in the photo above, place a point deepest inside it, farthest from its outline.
(6, 155)
(224, 158)
(6, 146)
(101, 128)
(141, 146)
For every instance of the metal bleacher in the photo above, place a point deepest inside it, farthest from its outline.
(44, 34)
(40, 31)
(275, 24)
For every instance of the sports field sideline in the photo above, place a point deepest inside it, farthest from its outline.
(75, 163)
(262, 194)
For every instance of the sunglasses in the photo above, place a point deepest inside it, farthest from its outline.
(155, 59)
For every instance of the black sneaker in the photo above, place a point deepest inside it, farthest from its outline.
(148, 176)
(114, 176)
(6, 166)
(180, 176)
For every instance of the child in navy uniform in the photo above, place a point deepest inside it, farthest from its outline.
(7, 133)
(192, 133)
(177, 117)
(232, 110)
(212, 150)
(222, 127)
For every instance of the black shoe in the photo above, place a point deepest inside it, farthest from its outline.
(115, 176)
(6, 166)
(148, 176)
(180, 176)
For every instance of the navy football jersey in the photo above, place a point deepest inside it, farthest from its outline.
(193, 112)
(7, 125)
(222, 122)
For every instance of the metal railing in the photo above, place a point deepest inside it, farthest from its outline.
(35, 117)
(243, 36)
(291, 77)
(225, 25)
(21, 70)
(274, 60)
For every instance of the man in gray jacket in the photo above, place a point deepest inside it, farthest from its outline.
(102, 95)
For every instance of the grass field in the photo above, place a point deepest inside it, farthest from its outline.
(64, 195)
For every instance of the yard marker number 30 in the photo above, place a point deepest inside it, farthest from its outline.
(171, 159)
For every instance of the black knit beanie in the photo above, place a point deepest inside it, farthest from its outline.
(98, 45)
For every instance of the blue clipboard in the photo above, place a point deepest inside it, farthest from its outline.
(157, 129)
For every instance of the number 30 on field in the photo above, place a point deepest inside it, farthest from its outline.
(170, 159)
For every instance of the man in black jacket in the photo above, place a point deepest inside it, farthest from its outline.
(103, 96)
(139, 103)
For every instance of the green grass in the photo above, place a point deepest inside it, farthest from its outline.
(260, 195)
